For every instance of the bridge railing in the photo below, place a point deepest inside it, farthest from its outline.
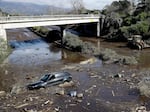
(9, 18)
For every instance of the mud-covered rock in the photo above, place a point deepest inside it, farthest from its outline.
(110, 56)
(17, 89)
(128, 60)
(72, 41)
(2, 93)
(89, 48)
(107, 55)
(144, 86)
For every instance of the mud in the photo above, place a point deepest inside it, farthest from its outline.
(102, 90)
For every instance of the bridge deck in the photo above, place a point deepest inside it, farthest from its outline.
(46, 20)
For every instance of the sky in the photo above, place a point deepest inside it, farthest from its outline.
(90, 4)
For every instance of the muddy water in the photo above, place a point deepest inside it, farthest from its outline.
(32, 57)
(121, 48)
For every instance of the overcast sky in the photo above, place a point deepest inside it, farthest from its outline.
(91, 4)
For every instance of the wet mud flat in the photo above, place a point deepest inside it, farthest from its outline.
(100, 87)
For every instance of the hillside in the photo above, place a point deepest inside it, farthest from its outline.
(29, 8)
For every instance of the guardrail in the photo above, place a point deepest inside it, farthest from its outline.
(11, 18)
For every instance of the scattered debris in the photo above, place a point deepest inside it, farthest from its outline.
(80, 95)
(57, 109)
(113, 94)
(141, 109)
(22, 105)
(89, 61)
(144, 86)
(16, 89)
(47, 102)
(67, 84)
(2, 93)
(68, 67)
(88, 103)
(118, 75)
(60, 91)
(93, 86)
(73, 93)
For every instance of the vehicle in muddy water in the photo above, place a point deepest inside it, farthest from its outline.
(51, 79)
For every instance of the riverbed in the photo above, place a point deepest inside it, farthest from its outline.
(102, 88)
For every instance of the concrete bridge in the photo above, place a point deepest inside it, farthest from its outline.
(46, 20)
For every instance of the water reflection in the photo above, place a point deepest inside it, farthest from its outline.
(38, 52)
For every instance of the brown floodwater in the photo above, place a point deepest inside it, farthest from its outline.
(32, 56)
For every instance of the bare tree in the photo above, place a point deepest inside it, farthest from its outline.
(77, 6)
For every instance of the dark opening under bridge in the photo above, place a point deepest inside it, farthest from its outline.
(46, 20)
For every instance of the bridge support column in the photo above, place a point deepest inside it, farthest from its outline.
(3, 34)
(99, 28)
(3, 39)
(63, 34)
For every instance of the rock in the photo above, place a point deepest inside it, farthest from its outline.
(128, 60)
(88, 103)
(68, 67)
(16, 89)
(133, 75)
(2, 93)
(67, 84)
(57, 109)
(45, 103)
(60, 91)
(80, 95)
(89, 61)
(79, 100)
(144, 86)
(6, 72)
(118, 75)
(32, 110)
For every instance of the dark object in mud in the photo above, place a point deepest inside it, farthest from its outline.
(136, 42)
(51, 79)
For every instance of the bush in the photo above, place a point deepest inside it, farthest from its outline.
(72, 41)
(36, 28)
(129, 21)
(89, 48)
(143, 27)
(44, 30)
(142, 16)
(140, 28)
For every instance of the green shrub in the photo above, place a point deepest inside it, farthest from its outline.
(143, 27)
(72, 41)
(139, 28)
(43, 30)
(129, 20)
(142, 16)
(37, 28)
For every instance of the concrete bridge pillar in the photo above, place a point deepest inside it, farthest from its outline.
(3, 34)
(99, 28)
(3, 40)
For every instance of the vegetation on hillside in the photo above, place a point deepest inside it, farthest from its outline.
(135, 20)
